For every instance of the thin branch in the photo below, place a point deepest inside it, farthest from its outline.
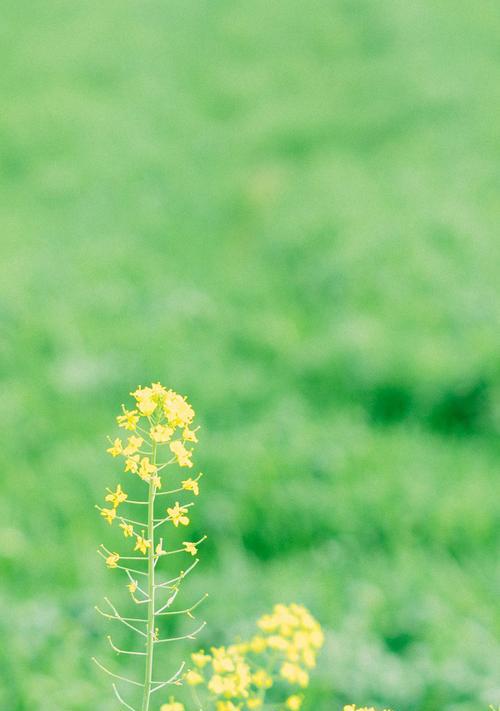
(123, 651)
(173, 679)
(183, 574)
(123, 620)
(116, 676)
(191, 635)
(127, 706)
(176, 491)
(135, 523)
(187, 611)
(169, 602)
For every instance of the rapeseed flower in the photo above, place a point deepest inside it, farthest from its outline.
(191, 485)
(177, 514)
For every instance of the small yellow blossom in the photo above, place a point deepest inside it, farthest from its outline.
(142, 544)
(161, 433)
(276, 642)
(158, 391)
(189, 435)
(141, 393)
(200, 659)
(182, 455)
(294, 674)
(216, 685)
(262, 679)
(258, 644)
(112, 560)
(191, 485)
(193, 678)
(132, 464)
(190, 547)
(146, 406)
(146, 469)
(117, 448)
(294, 702)
(172, 706)
(127, 528)
(117, 497)
(178, 411)
(128, 420)
(159, 549)
(254, 703)
(226, 706)
(134, 443)
(109, 515)
(177, 515)
(156, 481)
(132, 586)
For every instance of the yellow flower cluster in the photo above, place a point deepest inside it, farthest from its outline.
(279, 655)
(160, 417)
(165, 414)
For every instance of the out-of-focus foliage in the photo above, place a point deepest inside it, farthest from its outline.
(288, 210)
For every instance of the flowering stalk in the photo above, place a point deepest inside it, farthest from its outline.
(159, 423)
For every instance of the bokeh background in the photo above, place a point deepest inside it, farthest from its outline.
(288, 211)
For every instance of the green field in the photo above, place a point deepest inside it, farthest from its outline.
(288, 211)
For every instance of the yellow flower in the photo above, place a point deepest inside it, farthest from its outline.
(142, 544)
(134, 443)
(216, 685)
(191, 485)
(182, 454)
(132, 586)
(132, 464)
(262, 679)
(177, 515)
(146, 406)
(200, 659)
(190, 547)
(294, 674)
(294, 702)
(161, 433)
(158, 391)
(141, 393)
(128, 529)
(268, 623)
(117, 448)
(128, 420)
(146, 469)
(258, 644)
(254, 703)
(178, 411)
(109, 515)
(277, 642)
(112, 560)
(189, 435)
(172, 706)
(226, 706)
(159, 549)
(117, 497)
(156, 481)
(193, 678)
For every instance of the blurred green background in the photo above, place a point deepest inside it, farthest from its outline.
(289, 212)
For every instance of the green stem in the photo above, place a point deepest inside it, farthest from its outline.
(151, 593)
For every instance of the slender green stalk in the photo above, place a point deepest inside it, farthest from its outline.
(151, 593)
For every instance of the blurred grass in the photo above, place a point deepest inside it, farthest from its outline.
(288, 211)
